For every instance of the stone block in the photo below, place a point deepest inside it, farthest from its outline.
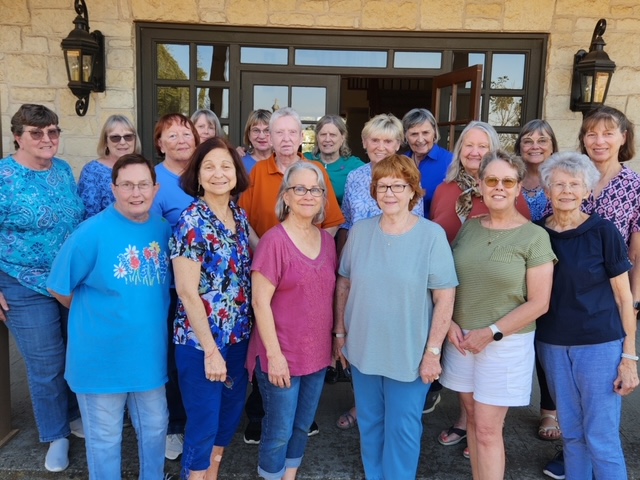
(566, 129)
(118, 99)
(484, 10)
(59, 4)
(249, 12)
(36, 45)
(120, 58)
(625, 81)
(483, 24)
(439, 15)
(25, 69)
(522, 15)
(290, 20)
(114, 29)
(163, 11)
(582, 9)
(390, 15)
(624, 25)
(337, 21)
(120, 78)
(126, 43)
(53, 23)
(282, 6)
(312, 6)
(10, 39)
(345, 6)
(33, 95)
(217, 17)
(14, 13)
(624, 11)
(57, 70)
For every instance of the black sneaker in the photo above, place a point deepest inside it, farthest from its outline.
(313, 430)
(252, 433)
(555, 467)
(433, 399)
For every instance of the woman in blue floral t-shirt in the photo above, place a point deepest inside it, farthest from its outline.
(212, 265)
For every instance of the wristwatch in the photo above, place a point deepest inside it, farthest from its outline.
(636, 305)
(497, 334)
(434, 350)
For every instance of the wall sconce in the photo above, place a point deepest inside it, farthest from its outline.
(84, 58)
(592, 73)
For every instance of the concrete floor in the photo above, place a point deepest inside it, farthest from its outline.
(333, 454)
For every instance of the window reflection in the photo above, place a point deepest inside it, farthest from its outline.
(173, 61)
(215, 99)
(309, 102)
(270, 97)
(173, 100)
(505, 111)
(340, 58)
(508, 141)
(264, 56)
(468, 59)
(507, 71)
(213, 62)
(417, 60)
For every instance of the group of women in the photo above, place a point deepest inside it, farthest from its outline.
(455, 298)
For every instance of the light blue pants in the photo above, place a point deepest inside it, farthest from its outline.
(102, 420)
(580, 379)
(390, 423)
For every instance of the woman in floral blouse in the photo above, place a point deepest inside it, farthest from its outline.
(210, 252)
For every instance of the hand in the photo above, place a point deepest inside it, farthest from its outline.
(241, 151)
(338, 356)
(4, 307)
(456, 337)
(279, 371)
(430, 368)
(627, 379)
(476, 340)
(215, 368)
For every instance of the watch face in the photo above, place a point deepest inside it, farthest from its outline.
(498, 336)
(636, 305)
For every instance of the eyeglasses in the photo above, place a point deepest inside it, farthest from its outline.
(530, 142)
(572, 187)
(301, 191)
(257, 132)
(38, 134)
(396, 188)
(129, 187)
(128, 137)
(507, 182)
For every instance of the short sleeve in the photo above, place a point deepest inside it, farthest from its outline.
(188, 238)
(540, 251)
(616, 256)
(72, 264)
(442, 270)
(346, 257)
(269, 256)
(346, 202)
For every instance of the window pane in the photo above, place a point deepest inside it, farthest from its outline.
(417, 59)
(508, 141)
(309, 102)
(505, 111)
(507, 71)
(264, 56)
(341, 58)
(213, 62)
(270, 97)
(173, 62)
(215, 99)
(173, 100)
(468, 59)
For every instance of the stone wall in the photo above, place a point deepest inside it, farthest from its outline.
(32, 66)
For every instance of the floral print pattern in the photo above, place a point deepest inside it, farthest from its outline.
(147, 269)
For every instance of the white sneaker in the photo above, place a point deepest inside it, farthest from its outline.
(57, 458)
(77, 428)
(173, 447)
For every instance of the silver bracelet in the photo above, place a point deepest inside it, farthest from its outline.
(635, 358)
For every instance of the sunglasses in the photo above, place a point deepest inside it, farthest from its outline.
(129, 137)
(38, 134)
(507, 182)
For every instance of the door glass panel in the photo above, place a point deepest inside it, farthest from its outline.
(215, 99)
(508, 141)
(173, 62)
(507, 71)
(270, 97)
(505, 111)
(213, 62)
(417, 60)
(173, 100)
(341, 58)
(264, 56)
(468, 59)
(309, 102)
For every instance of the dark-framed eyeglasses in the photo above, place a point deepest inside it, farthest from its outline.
(301, 191)
(395, 188)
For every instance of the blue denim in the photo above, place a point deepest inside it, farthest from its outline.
(289, 413)
(581, 381)
(38, 325)
(102, 420)
(213, 410)
(390, 424)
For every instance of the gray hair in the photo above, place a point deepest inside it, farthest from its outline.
(514, 162)
(284, 112)
(571, 163)
(456, 164)
(418, 116)
(212, 118)
(385, 123)
(110, 124)
(282, 210)
(337, 122)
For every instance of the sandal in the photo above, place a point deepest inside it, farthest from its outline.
(460, 433)
(549, 432)
(346, 421)
(466, 453)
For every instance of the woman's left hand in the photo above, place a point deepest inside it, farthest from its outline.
(476, 340)
(430, 368)
(627, 379)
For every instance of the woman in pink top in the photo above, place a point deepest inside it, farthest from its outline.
(293, 279)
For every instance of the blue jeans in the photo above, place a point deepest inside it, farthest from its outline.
(581, 381)
(289, 413)
(102, 419)
(213, 410)
(390, 424)
(38, 325)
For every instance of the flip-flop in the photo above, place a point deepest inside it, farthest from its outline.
(453, 430)
(346, 421)
(545, 431)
